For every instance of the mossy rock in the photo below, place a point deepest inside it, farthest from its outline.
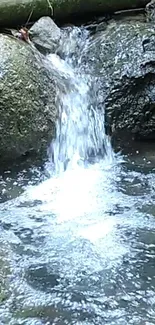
(27, 100)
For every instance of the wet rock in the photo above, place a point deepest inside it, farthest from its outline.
(97, 25)
(101, 26)
(17, 12)
(27, 100)
(4, 273)
(122, 58)
(45, 34)
(150, 11)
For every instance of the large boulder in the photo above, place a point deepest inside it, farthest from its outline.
(27, 100)
(122, 58)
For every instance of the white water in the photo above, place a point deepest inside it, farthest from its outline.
(80, 135)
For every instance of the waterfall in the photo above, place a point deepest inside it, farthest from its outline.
(80, 131)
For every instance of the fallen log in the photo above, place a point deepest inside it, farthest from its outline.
(18, 12)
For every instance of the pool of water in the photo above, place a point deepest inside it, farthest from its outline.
(79, 248)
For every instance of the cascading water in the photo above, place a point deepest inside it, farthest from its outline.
(80, 134)
(80, 245)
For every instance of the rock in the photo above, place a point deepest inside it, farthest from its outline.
(27, 100)
(101, 26)
(150, 11)
(45, 34)
(42, 278)
(4, 273)
(16, 12)
(124, 67)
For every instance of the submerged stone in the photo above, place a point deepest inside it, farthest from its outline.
(42, 278)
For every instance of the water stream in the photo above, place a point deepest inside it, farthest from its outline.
(80, 134)
(79, 245)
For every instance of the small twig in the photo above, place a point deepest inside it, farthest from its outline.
(50, 6)
(126, 11)
(29, 17)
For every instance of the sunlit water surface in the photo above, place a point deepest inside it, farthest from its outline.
(81, 248)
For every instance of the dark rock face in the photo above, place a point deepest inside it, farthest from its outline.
(27, 100)
(122, 59)
(15, 12)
